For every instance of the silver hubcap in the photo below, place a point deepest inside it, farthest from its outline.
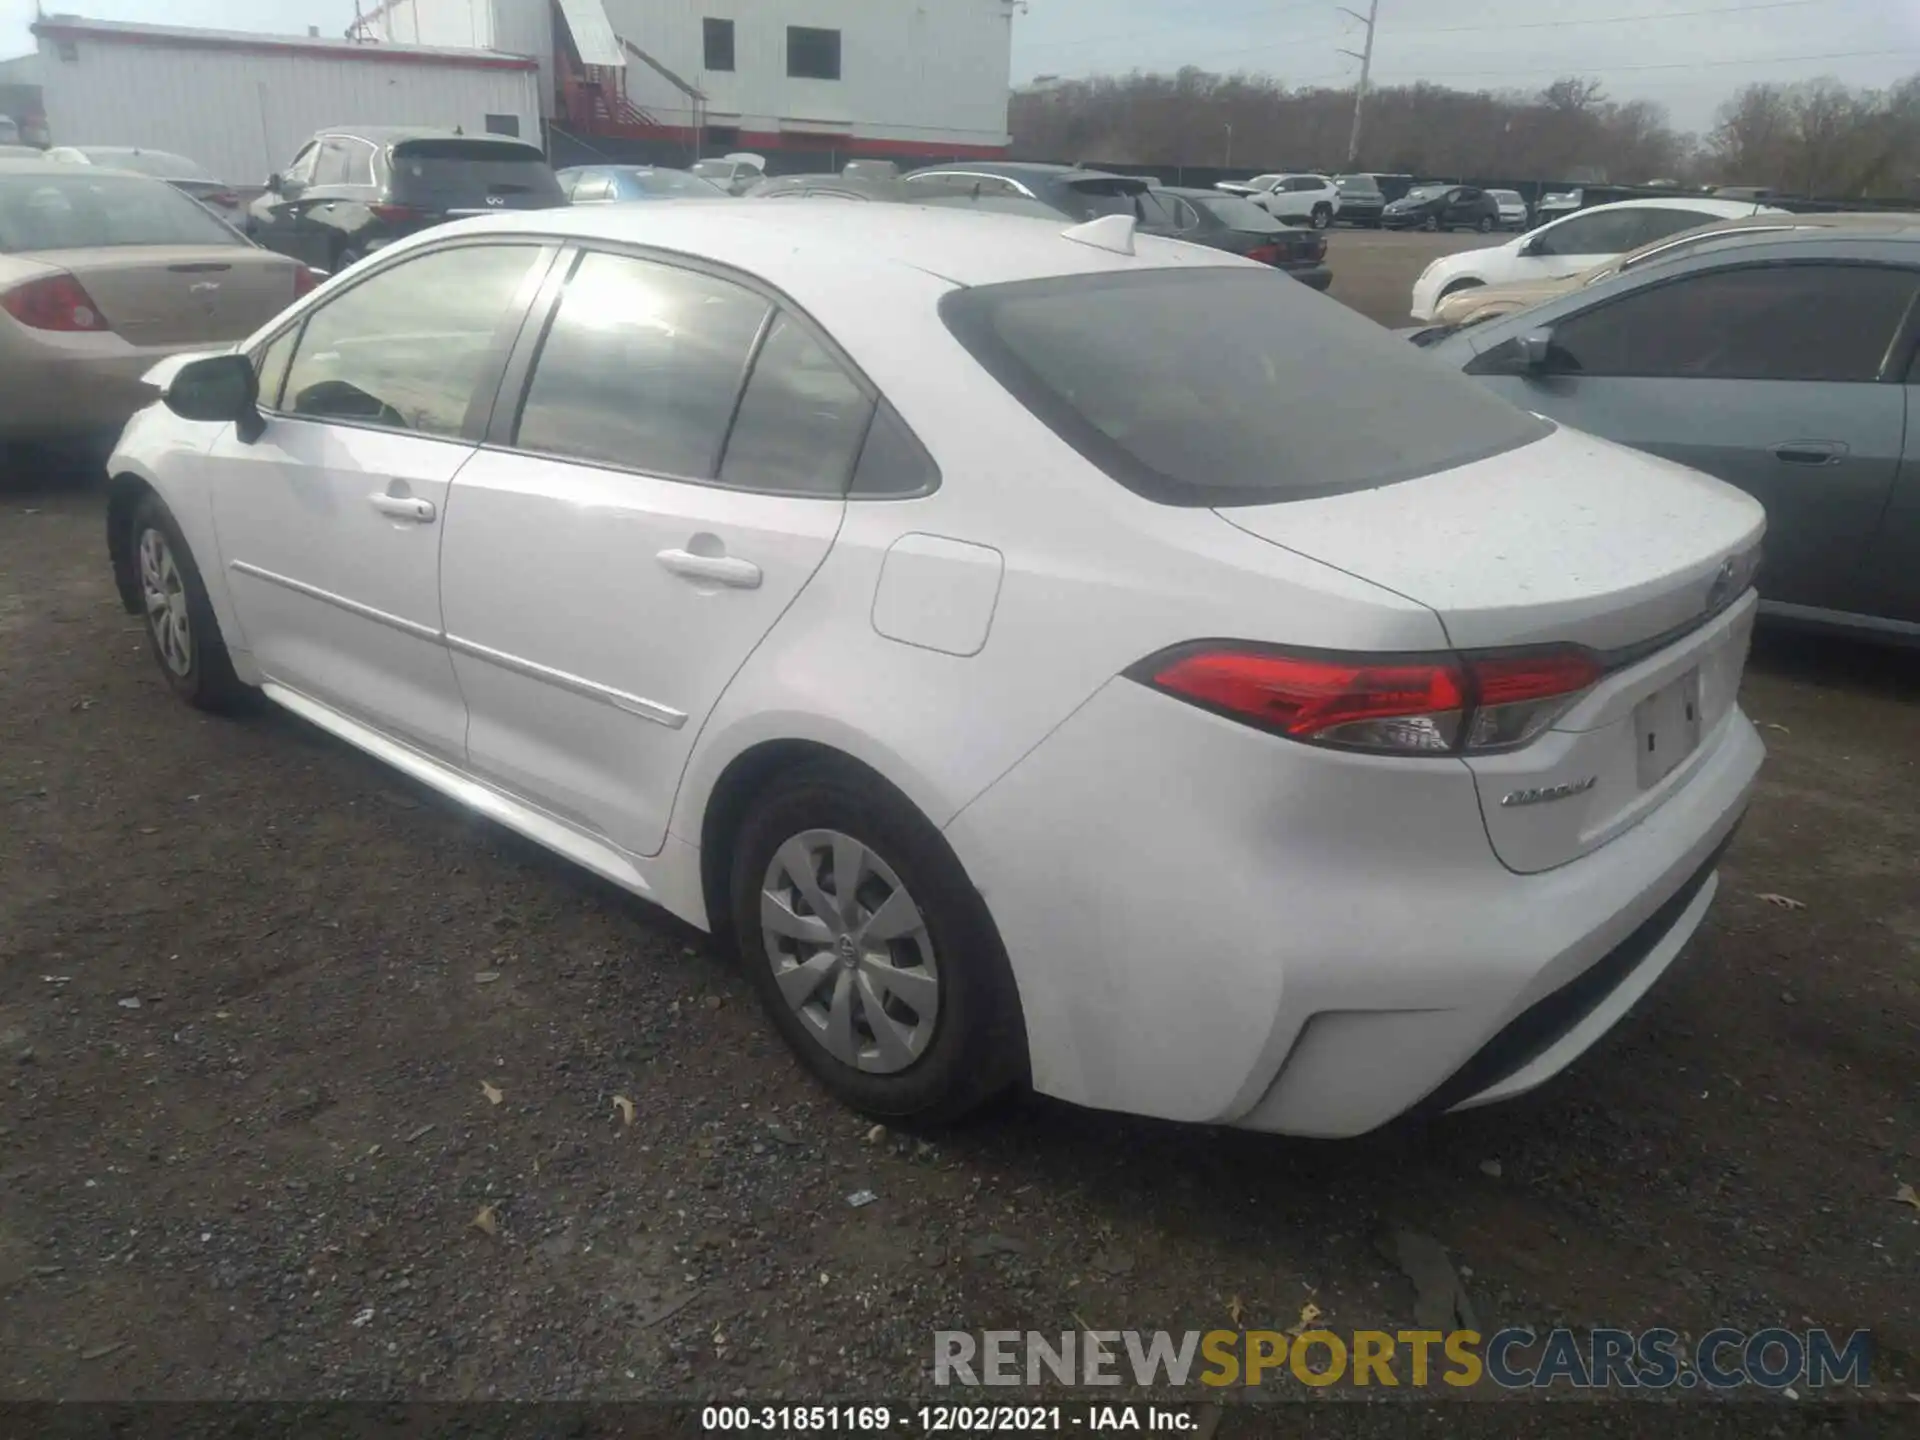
(850, 951)
(166, 597)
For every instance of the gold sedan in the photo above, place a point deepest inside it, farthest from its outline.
(103, 274)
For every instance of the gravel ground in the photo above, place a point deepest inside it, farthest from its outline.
(316, 1086)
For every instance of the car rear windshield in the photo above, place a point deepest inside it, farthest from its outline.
(1358, 185)
(673, 182)
(82, 212)
(1227, 386)
(1238, 214)
(455, 172)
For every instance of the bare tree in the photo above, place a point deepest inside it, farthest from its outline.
(1821, 138)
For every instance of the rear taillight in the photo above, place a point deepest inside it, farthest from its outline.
(305, 282)
(396, 214)
(56, 302)
(1390, 704)
(1265, 254)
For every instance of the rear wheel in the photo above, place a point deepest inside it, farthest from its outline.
(181, 629)
(1430, 224)
(871, 950)
(1485, 226)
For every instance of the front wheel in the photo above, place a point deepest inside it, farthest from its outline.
(1485, 227)
(871, 950)
(181, 629)
(1322, 216)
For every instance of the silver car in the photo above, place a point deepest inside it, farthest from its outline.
(1783, 362)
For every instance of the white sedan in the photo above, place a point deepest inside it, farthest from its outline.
(1570, 245)
(1020, 699)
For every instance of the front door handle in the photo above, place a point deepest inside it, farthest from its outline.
(403, 507)
(720, 569)
(1809, 452)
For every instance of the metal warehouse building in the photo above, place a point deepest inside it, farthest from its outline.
(874, 77)
(242, 104)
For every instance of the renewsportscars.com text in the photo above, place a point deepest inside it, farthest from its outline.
(1658, 1359)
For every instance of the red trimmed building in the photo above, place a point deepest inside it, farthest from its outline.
(906, 79)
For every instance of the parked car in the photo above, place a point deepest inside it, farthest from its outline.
(1442, 207)
(736, 174)
(870, 170)
(830, 187)
(1782, 361)
(1556, 204)
(103, 273)
(1311, 199)
(9, 131)
(1513, 209)
(817, 581)
(183, 174)
(609, 184)
(350, 192)
(1480, 303)
(1238, 226)
(1076, 193)
(1361, 201)
(1569, 245)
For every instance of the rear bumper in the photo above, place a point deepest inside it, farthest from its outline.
(1210, 924)
(1315, 276)
(72, 385)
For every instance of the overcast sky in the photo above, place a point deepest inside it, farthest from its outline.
(1689, 60)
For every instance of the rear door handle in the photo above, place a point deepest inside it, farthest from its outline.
(720, 569)
(1809, 452)
(403, 507)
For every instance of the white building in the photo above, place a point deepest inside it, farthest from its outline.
(876, 77)
(242, 104)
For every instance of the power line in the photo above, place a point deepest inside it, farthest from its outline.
(1576, 69)
(1612, 19)
(1082, 41)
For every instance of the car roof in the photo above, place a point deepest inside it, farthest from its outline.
(1703, 204)
(805, 242)
(67, 169)
(1017, 170)
(396, 134)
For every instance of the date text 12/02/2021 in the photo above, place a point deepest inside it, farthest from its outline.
(949, 1419)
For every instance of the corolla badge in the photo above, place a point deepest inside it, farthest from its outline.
(1541, 794)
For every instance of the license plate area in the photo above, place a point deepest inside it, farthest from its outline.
(1666, 727)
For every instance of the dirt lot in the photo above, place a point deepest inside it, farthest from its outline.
(311, 1087)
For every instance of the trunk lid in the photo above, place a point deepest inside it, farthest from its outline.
(181, 294)
(1570, 540)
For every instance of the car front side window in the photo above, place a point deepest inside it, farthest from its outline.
(1806, 322)
(407, 348)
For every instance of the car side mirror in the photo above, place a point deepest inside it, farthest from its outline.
(1536, 246)
(1536, 347)
(220, 387)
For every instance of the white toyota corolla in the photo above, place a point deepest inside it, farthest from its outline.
(1031, 665)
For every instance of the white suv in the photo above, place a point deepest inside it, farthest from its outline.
(1310, 199)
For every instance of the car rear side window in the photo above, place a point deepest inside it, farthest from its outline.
(801, 419)
(1210, 386)
(407, 348)
(1766, 322)
(641, 367)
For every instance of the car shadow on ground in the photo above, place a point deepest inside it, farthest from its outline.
(1840, 662)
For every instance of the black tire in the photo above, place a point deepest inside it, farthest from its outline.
(1322, 216)
(206, 680)
(977, 1047)
(1485, 227)
(1431, 224)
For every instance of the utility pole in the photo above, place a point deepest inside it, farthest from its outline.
(1365, 56)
